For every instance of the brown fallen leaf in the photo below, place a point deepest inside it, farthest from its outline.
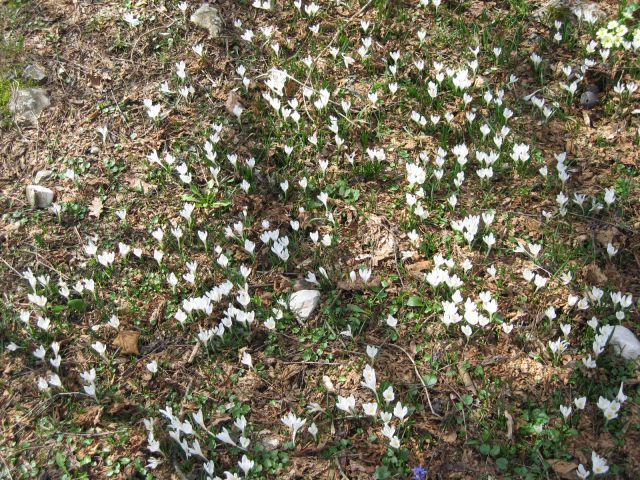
(593, 275)
(139, 185)
(95, 209)
(563, 468)
(450, 437)
(233, 101)
(359, 285)
(606, 236)
(357, 466)
(94, 181)
(122, 407)
(158, 312)
(127, 342)
(380, 237)
(417, 269)
(214, 422)
(91, 417)
(94, 80)
(466, 379)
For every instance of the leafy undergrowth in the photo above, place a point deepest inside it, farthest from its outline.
(436, 174)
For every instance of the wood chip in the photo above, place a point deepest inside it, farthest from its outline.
(509, 418)
(466, 379)
(95, 209)
(127, 342)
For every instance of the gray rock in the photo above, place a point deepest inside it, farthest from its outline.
(589, 99)
(208, 18)
(39, 196)
(35, 72)
(592, 87)
(561, 9)
(42, 174)
(27, 104)
(269, 440)
(303, 302)
(625, 343)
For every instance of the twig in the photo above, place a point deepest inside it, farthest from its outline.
(8, 471)
(179, 472)
(43, 261)
(193, 353)
(509, 418)
(395, 251)
(186, 394)
(339, 30)
(424, 385)
(542, 462)
(599, 220)
(344, 475)
(464, 417)
(310, 363)
(14, 270)
(90, 435)
(133, 47)
(117, 104)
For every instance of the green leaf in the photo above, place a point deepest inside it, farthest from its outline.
(467, 399)
(382, 473)
(60, 461)
(77, 304)
(219, 204)
(430, 379)
(355, 308)
(414, 301)
(485, 449)
(502, 463)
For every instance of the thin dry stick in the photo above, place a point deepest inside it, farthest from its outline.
(339, 30)
(92, 435)
(117, 104)
(321, 53)
(424, 385)
(186, 394)
(509, 418)
(604, 222)
(44, 262)
(395, 251)
(7, 471)
(14, 270)
(133, 48)
(344, 475)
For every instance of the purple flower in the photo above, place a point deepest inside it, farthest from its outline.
(419, 473)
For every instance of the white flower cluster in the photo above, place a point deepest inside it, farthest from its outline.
(612, 35)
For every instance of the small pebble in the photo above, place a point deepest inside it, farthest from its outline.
(589, 99)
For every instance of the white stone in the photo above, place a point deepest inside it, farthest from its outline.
(208, 18)
(35, 72)
(42, 174)
(39, 196)
(575, 7)
(28, 103)
(304, 302)
(625, 343)
(269, 440)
